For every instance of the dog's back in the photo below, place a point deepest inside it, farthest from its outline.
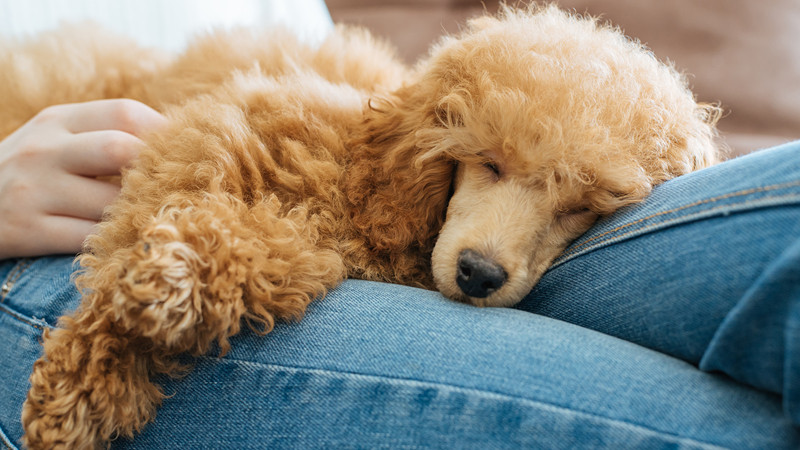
(79, 63)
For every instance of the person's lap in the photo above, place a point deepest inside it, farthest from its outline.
(388, 366)
(707, 270)
(382, 365)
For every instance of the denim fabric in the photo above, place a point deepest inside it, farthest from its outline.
(707, 270)
(376, 365)
(704, 272)
(759, 340)
(33, 294)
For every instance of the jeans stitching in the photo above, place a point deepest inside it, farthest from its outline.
(616, 238)
(464, 388)
(13, 276)
(679, 219)
(31, 321)
(584, 246)
(4, 439)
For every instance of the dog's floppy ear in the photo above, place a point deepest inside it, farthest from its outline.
(397, 186)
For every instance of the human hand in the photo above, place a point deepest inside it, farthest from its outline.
(50, 196)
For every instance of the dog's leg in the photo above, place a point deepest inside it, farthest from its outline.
(198, 269)
(84, 385)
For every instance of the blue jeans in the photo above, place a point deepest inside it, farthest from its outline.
(671, 323)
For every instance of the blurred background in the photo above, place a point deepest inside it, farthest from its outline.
(743, 54)
(166, 24)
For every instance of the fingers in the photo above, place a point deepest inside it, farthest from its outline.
(125, 115)
(27, 231)
(49, 198)
(104, 134)
(35, 223)
(65, 234)
(79, 197)
(52, 235)
(99, 153)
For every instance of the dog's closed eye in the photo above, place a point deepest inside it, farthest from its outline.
(492, 167)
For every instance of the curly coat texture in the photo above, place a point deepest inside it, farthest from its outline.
(286, 169)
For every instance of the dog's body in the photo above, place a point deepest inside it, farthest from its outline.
(286, 169)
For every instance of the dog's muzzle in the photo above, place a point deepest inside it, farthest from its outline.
(478, 276)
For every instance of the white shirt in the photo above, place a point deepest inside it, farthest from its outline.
(167, 24)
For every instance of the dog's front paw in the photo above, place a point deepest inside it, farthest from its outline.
(181, 286)
(159, 293)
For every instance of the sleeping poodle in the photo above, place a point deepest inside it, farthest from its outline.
(286, 169)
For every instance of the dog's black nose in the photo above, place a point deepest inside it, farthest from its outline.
(478, 276)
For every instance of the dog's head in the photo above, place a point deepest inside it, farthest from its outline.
(548, 121)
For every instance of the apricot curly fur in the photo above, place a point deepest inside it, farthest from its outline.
(286, 169)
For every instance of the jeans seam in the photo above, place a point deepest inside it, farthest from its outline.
(30, 321)
(611, 236)
(13, 276)
(670, 221)
(7, 444)
(697, 203)
(539, 403)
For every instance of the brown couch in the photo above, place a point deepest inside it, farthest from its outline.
(742, 53)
